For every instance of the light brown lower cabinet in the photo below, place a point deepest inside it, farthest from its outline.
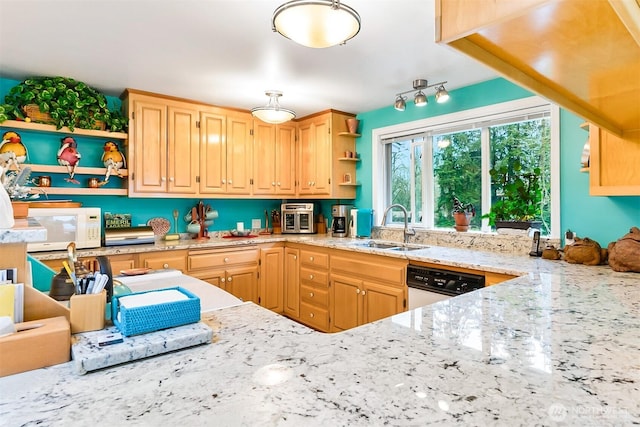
(234, 270)
(357, 301)
(271, 288)
(292, 282)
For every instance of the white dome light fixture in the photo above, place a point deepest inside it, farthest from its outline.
(420, 99)
(316, 23)
(272, 112)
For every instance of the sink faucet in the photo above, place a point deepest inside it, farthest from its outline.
(407, 231)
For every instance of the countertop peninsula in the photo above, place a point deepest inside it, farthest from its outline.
(557, 345)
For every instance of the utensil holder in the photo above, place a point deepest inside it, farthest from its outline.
(88, 312)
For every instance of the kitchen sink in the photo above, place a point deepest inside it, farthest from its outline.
(406, 248)
(390, 246)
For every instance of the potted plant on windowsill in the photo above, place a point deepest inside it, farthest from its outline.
(519, 196)
(61, 101)
(462, 214)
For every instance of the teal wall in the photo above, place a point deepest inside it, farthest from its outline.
(604, 219)
(43, 148)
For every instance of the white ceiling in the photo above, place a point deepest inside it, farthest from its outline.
(224, 52)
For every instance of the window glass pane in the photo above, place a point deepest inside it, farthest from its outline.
(399, 173)
(457, 172)
(521, 170)
(417, 179)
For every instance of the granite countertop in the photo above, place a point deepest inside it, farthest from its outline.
(24, 230)
(557, 345)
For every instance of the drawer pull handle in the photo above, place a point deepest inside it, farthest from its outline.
(310, 314)
(364, 292)
(165, 265)
(311, 258)
(222, 279)
(311, 294)
(229, 279)
(311, 277)
(357, 291)
(226, 259)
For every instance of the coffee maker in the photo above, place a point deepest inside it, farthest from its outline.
(341, 220)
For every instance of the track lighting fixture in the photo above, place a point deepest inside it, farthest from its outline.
(420, 99)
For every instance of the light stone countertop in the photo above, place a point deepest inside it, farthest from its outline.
(25, 230)
(557, 346)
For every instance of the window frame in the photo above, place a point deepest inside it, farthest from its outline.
(472, 118)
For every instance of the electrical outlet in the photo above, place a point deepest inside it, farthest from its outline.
(256, 223)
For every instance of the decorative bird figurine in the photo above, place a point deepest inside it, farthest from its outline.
(113, 160)
(68, 156)
(12, 150)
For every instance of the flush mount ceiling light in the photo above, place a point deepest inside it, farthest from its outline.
(273, 112)
(316, 23)
(420, 99)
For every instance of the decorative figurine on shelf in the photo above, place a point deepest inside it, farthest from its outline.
(68, 156)
(12, 151)
(113, 160)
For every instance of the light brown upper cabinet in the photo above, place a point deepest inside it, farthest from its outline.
(582, 55)
(164, 146)
(614, 166)
(274, 164)
(320, 172)
(226, 152)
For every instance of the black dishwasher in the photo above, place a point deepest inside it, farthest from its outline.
(444, 282)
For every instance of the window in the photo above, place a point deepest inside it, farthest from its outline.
(427, 163)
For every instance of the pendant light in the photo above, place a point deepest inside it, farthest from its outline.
(316, 23)
(272, 112)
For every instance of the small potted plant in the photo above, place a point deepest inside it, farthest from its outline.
(462, 214)
(61, 101)
(519, 197)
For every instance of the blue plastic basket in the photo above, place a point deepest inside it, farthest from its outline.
(141, 320)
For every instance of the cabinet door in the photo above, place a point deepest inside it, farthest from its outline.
(347, 302)
(264, 176)
(285, 161)
(243, 283)
(613, 169)
(271, 279)
(382, 301)
(212, 277)
(292, 282)
(122, 262)
(183, 150)
(306, 170)
(213, 152)
(239, 153)
(149, 148)
(322, 156)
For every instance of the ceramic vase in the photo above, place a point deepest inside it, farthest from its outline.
(352, 125)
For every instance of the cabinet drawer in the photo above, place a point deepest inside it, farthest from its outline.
(315, 317)
(315, 296)
(371, 267)
(317, 259)
(221, 259)
(318, 278)
(164, 260)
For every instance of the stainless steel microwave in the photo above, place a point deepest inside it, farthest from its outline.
(298, 218)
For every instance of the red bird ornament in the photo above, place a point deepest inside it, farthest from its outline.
(68, 156)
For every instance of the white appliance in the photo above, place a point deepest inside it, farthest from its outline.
(65, 225)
